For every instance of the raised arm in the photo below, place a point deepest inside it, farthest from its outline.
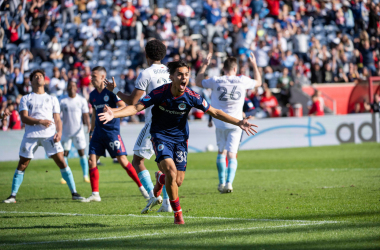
(131, 99)
(109, 114)
(58, 127)
(202, 70)
(256, 71)
(25, 23)
(243, 124)
(6, 21)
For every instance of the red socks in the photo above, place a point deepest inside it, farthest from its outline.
(94, 179)
(175, 205)
(132, 173)
(161, 179)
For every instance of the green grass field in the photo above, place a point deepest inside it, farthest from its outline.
(304, 198)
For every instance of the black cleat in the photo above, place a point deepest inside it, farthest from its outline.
(76, 197)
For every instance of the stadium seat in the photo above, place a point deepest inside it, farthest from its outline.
(77, 44)
(22, 46)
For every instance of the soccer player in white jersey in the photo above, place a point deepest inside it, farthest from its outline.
(74, 107)
(40, 113)
(228, 94)
(149, 79)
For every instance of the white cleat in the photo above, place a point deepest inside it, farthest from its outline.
(93, 197)
(151, 203)
(221, 188)
(10, 199)
(165, 208)
(228, 188)
(144, 192)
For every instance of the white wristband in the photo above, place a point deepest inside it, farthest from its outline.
(115, 90)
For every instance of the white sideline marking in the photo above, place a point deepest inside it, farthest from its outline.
(158, 234)
(160, 216)
(304, 169)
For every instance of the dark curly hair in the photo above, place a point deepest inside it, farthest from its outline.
(35, 72)
(155, 50)
(173, 66)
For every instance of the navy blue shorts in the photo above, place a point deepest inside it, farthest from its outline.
(175, 151)
(111, 141)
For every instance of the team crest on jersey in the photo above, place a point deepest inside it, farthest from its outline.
(160, 147)
(182, 106)
(147, 98)
(204, 103)
(106, 98)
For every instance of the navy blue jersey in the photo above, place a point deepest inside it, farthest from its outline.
(98, 101)
(169, 114)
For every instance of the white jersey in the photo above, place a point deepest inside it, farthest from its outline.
(152, 78)
(72, 110)
(228, 93)
(43, 107)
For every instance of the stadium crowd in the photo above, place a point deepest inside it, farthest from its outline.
(295, 42)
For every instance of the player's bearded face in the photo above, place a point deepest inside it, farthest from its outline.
(181, 78)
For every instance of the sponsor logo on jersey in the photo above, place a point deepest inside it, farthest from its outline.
(182, 106)
(160, 147)
(147, 98)
(106, 98)
(204, 103)
(172, 112)
(100, 106)
(160, 71)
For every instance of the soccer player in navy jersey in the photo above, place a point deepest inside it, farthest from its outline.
(106, 136)
(170, 130)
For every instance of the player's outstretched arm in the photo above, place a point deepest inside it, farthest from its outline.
(243, 124)
(202, 70)
(26, 119)
(108, 115)
(131, 99)
(256, 71)
(58, 127)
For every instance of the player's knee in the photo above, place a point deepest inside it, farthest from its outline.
(80, 152)
(91, 163)
(179, 182)
(231, 155)
(138, 164)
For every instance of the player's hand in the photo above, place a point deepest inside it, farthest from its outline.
(207, 60)
(247, 127)
(57, 137)
(252, 58)
(107, 115)
(210, 124)
(46, 123)
(110, 85)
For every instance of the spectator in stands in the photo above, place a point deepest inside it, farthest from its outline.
(58, 83)
(256, 6)
(300, 39)
(353, 72)
(213, 16)
(269, 104)
(36, 39)
(184, 12)
(284, 83)
(316, 108)
(274, 7)
(368, 61)
(113, 25)
(375, 106)
(3, 79)
(89, 32)
(55, 50)
(67, 8)
(128, 20)
(261, 54)
(270, 77)
(130, 81)
(288, 60)
(341, 76)
(91, 6)
(357, 109)
(12, 29)
(14, 118)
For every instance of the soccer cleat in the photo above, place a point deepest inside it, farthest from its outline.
(93, 197)
(165, 208)
(151, 203)
(221, 188)
(76, 197)
(178, 218)
(86, 179)
(228, 188)
(158, 187)
(144, 192)
(63, 181)
(10, 199)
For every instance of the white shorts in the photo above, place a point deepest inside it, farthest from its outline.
(30, 145)
(79, 141)
(143, 146)
(228, 139)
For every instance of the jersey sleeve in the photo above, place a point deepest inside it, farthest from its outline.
(249, 83)
(208, 83)
(142, 80)
(84, 106)
(56, 107)
(201, 103)
(23, 105)
(151, 99)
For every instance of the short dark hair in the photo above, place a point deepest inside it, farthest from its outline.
(229, 63)
(155, 50)
(35, 72)
(173, 66)
(99, 68)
